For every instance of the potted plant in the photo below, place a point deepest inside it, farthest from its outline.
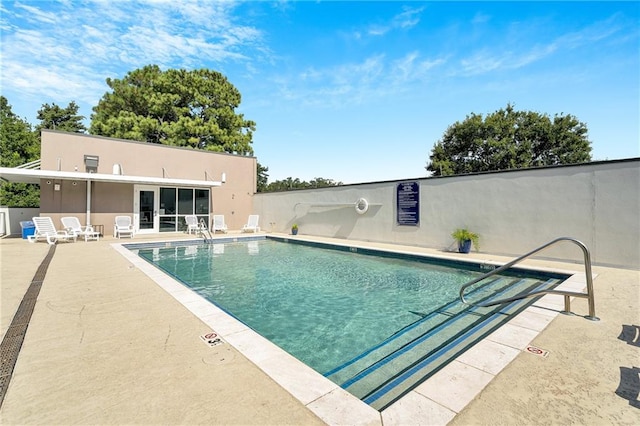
(294, 229)
(465, 238)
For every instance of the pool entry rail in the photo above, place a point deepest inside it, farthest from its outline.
(567, 294)
(204, 231)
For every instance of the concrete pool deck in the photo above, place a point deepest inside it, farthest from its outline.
(107, 345)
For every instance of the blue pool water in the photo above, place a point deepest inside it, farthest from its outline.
(338, 311)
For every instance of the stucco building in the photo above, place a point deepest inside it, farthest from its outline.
(97, 178)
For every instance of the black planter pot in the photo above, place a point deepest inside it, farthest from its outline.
(294, 231)
(464, 246)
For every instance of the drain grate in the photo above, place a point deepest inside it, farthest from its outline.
(14, 331)
(33, 290)
(12, 340)
(23, 314)
(4, 384)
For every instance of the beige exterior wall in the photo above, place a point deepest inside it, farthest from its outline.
(65, 151)
(514, 212)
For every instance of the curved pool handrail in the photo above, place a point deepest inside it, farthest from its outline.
(204, 231)
(567, 309)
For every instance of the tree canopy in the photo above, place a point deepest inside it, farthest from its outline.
(18, 145)
(174, 107)
(64, 119)
(289, 184)
(509, 139)
(262, 177)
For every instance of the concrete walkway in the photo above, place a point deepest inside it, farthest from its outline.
(106, 345)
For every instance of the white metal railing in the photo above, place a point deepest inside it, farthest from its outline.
(204, 231)
(33, 165)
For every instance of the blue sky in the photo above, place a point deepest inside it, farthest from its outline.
(350, 91)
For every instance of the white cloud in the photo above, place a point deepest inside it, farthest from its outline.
(378, 30)
(519, 53)
(369, 80)
(52, 82)
(34, 14)
(412, 68)
(43, 41)
(481, 62)
(409, 18)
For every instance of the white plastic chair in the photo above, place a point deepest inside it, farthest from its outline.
(123, 226)
(252, 224)
(72, 225)
(218, 223)
(45, 229)
(192, 224)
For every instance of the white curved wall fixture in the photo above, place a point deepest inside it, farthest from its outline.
(361, 205)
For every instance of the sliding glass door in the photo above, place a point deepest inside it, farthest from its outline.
(176, 203)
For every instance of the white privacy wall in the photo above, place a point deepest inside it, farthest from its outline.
(12, 216)
(514, 212)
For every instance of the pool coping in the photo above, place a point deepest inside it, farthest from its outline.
(438, 399)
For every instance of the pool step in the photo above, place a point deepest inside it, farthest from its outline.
(418, 328)
(384, 373)
(406, 335)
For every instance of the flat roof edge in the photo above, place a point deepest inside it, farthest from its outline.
(86, 135)
(34, 176)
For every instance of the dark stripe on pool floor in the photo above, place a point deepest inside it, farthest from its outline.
(12, 340)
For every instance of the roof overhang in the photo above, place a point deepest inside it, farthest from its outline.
(8, 174)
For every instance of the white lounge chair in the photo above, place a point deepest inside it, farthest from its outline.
(46, 230)
(192, 224)
(72, 226)
(218, 223)
(123, 226)
(252, 224)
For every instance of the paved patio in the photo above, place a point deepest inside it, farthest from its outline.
(107, 345)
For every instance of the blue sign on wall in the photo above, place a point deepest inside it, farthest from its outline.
(408, 204)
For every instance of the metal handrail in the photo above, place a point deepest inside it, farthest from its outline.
(567, 294)
(35, 164)
(203, 229)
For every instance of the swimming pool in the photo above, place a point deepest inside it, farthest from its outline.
(377, 324)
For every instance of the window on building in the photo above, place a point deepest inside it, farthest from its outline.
(185, 201)
(202, 201)
(175, 203)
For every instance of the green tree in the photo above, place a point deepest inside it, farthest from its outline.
(18, 145)
(323, 183)
(509, 139)
(290, 183)
(286, 185)
(174, 107)
(65, 119)
(263, 177)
